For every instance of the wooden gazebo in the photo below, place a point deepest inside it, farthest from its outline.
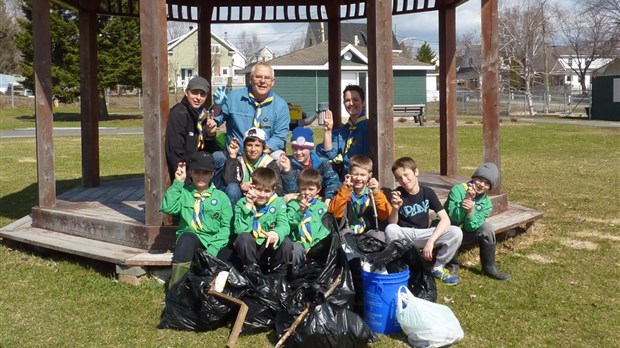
(120, 222)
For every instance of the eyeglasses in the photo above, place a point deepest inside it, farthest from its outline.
(262, 77)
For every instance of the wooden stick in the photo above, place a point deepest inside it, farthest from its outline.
(288, 332)
(243, 311)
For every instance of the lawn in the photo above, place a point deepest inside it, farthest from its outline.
(564, 289)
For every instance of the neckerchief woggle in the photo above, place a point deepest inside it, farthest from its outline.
(257, 229)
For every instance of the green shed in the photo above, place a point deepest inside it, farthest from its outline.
(606, 92)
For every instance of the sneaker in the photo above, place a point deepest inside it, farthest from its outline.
(445, 276)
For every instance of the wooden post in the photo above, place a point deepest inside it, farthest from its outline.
(335, 66)
(89, 98)
(490, 85)
(447, 90)
(156, 105)
(204, 46)
(380, 90)
(43, 102)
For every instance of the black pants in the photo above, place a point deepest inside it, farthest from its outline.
(251, 253)
(186, 247)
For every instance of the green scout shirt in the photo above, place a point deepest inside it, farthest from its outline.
(319, 231)
(273, 220)
(216, 219)
(458, 216)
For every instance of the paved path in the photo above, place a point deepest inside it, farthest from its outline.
(75, 131)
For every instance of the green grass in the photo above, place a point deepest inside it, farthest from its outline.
(564, 289)
(24, 117)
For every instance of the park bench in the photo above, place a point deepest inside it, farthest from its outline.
(418, 111)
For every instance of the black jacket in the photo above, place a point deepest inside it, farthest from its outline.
(182, 136)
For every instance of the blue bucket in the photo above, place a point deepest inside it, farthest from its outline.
(380, 294)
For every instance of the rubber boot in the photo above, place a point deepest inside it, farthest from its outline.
(487, 259)
(178, 271)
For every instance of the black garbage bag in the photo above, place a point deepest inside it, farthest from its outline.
(187, 304)
(326, 327)
(421, 280)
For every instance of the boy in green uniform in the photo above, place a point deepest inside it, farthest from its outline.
(205, 213)
(468, 205)
(305, 214)
(261, 225)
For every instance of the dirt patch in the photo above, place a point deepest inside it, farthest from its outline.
(611, 222)
(27, 160)
(540, 258)
(598, 235)
(579, 244)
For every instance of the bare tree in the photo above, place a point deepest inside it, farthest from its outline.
(248, 44)
(297, 44)
(606, 8)
(595, 35)
(522, 38)
(177, 29)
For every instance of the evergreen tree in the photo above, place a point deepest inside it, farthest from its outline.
(9, 55)
(65, 55)
(426, 54)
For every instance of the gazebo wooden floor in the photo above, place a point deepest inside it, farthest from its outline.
(96, 222)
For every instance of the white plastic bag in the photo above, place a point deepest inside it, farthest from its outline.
(425, 323)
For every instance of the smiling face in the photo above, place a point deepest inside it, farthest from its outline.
(262, 80)
(201, 179)
(359, 178)
(408, 179)
(262, 194)
(196, 97)
(353, 103)
(481, 185)
(301, 154)
(253, 149)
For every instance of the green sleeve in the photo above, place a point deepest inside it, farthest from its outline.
(282, 227)
(482, 210)
(244, 218)
(173, 199)
(453, 204)
(226, 216)
(294, 215)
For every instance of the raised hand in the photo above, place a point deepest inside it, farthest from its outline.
(181, 172)
(347, 181)
(329, 121)
(373, 185)
(285, 163)
(219, 95)
(396, 200)
(233, 148)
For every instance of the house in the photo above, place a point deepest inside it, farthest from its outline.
(569, 63)
(353, 33)
(302, 76)
(183, 61)
(606, 92)
(262, 55)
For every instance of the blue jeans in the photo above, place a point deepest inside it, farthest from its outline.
(233, 191)
(220, 160)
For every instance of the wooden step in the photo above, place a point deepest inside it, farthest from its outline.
(22, 231)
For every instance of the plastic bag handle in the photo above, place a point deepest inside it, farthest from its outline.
(403, 297)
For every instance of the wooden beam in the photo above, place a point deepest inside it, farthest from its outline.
(335, 66)
(447, 91)
(43, 102)
(380, 90)
(204, 46)
(89, 99)
(153, 36)
(490, 84)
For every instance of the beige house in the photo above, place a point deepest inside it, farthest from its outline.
(183, 61)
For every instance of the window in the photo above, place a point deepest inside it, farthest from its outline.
(215, 49)
(224, 71)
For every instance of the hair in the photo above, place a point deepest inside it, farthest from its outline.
(406, 163)
(253, 69)
(309, 177)
(355, 88)
(265, 177)
(360, 161)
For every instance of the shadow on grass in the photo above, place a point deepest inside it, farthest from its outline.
(18, 204)
(76, 117)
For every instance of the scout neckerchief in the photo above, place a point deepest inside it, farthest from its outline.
(257, 229)
(359, 204)
(200, 197)
(352, 128)
(259, 106)
(306, 235)
(202, 115)
(261, 162)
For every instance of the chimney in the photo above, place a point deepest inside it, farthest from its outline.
(190, 28)
(356, 41)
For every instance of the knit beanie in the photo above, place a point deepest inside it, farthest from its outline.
(488, 171)
(303, 137)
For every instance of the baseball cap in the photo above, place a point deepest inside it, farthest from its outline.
(202, 161)
(256, 133)
(200, 83)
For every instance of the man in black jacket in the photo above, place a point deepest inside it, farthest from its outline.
(186, 132)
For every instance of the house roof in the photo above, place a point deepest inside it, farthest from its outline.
(348, 32)
(177, 41)
(316, 57)
(610, 69)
